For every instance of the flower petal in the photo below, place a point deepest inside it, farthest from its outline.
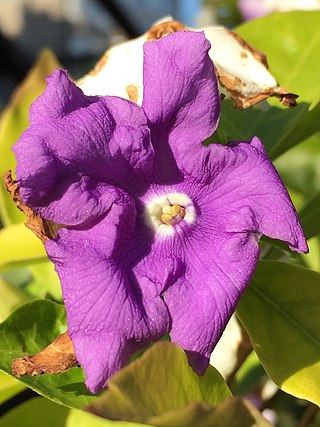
(181, 97)
(219, 266)
(60, 98)
(241, 185)
(109, 316)
(106, 138)
(79, 200)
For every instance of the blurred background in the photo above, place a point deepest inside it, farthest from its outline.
(79, 31)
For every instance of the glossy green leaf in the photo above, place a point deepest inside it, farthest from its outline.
(160, 381)
(279, 129)
(291, 48)
(19, 246)
(280, 311)
(9, 387)
(36, 412)
(14, 121)
(30, 328)
(78, 418)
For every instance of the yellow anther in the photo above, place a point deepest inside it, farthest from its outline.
(167, 218)
(171, 212)
(175, 209)
(167, 209)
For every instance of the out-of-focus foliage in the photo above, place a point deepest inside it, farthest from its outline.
(14, 120)
(18, 245)
(9, 387)
(37, 412)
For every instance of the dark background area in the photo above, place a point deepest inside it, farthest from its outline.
(79, 31)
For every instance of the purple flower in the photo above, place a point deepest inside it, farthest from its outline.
(161, 233)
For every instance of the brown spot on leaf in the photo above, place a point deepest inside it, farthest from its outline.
(99, 65)
(58, 357)
(42, 228)
(132, 92)
(163, 29)
(259, 56)
(234, 86)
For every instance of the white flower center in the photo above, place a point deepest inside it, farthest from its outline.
(170, 213)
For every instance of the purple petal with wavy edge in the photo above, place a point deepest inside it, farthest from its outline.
(108, 140)
(238, 195)
(244, 182)
(60, 98)
(180, 98)
(219, 266)
(88, 163)
(109, 315)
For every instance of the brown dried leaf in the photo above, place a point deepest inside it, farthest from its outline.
(241, 69)
(234, 87)
(58, 357)
(163, 29)
(42, 228)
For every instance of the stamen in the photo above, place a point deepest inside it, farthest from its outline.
(167, 209)
(172, 214)
(166, 218)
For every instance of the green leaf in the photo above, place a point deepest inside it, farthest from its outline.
(280, 311)
(36, 412)
(19, 246)
(299, 168)
(85, 419)
(310, 217)
(279, 129)
(9, 387)
(291, 48)
(29, 329)
(249, 375)
(164, 367)
(14, 120)
(235, 412)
